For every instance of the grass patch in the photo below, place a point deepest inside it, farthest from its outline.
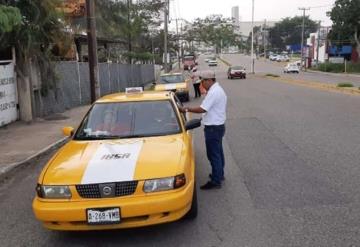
(272, 75)
(345, 84)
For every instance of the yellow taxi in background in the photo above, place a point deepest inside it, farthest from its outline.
(129, 164)
(175, 82)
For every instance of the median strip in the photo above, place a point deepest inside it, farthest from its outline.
(317, 85)
(224, 61)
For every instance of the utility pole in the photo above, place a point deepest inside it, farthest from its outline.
(252, 41)
(92, 43)
(264, 39)
(318, 45)
(178, 41)
(166, 13)
(302, 36)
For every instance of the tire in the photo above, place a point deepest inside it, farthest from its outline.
(192, 214)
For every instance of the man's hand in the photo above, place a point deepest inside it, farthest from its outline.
(183, 109)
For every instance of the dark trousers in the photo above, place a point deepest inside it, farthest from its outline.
(213, 139)
(197, 89)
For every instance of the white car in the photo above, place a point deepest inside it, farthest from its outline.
(212, 62)
(273, 57)
(291, 68)
(282, 58)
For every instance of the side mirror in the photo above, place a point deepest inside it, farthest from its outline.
(192, 124)
(68, 131)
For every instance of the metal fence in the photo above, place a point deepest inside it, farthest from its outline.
(73, 87)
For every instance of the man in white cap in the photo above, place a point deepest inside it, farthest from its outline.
(213, 108)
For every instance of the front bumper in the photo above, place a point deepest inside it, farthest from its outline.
(136, 211)
(237, 75)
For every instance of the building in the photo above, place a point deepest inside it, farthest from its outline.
(235, 15)
(245, 26)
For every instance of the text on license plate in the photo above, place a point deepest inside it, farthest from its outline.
(103, 215)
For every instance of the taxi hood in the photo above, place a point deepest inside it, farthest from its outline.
(86, 162)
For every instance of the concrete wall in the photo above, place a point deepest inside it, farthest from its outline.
(73, 87)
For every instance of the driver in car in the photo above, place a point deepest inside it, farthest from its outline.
(112, 126)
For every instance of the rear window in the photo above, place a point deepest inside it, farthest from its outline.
(237, 68)
(171, 79)
(129, 119)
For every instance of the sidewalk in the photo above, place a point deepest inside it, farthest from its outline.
(21, 142)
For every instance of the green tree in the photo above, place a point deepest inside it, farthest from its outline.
(10, 18)
(346, 22)
(288, 31)
(34, 28)
(213, 30)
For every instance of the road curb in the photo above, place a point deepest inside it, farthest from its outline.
(8, 169)
(224, 61)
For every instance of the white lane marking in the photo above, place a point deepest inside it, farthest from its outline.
(112, 163)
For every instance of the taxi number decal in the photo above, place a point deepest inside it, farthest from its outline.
(112, 162)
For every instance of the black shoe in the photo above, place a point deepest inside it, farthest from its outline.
(222, 179)
(210, 185)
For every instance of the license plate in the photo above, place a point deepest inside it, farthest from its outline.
(98, 216)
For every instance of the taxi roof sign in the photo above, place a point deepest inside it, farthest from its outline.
(132, 90)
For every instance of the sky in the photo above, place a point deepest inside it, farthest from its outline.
(264, 9)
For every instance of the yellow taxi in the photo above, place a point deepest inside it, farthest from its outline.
(175, 82)
(130, 163)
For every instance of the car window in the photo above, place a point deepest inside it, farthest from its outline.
(179, 104)
(171, 79)
(129, 119)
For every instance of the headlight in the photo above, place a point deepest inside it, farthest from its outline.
(53, 192)
(162, 184)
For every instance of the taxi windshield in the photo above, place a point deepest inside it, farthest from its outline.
(171, 79)
(129, 120)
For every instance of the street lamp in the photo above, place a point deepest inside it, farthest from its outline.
(252, 40)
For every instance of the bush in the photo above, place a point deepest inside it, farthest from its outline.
(339, 68)
(272, 75)
(345, 84)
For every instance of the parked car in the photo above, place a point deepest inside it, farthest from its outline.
(175, 82)
(236, 72)
(273, 57)
(212, 62)
(129, 164)
(291, 68)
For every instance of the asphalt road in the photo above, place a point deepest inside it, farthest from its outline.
(292, 178)
(277, 68)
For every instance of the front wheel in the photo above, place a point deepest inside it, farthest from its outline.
(192, 214)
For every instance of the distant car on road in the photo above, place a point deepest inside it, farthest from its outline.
(207, 60)
(236, 72)
(291, 68)
(212, 62)
(282, 58)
